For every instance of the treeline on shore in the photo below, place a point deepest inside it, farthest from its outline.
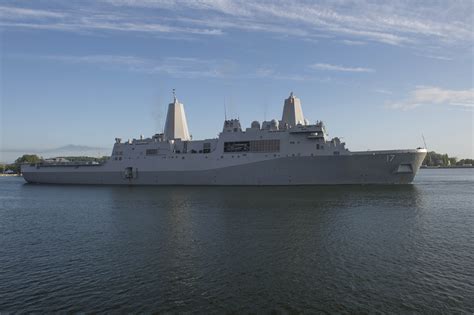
(14, 168)
(443, 160)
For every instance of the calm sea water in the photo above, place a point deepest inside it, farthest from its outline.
(397, 249)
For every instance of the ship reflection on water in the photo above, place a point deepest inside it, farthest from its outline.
(272, 244)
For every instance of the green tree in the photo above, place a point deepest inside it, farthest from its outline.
(445, 160)
(25, 158)
(28, 158)
(435, 159)
(453, 160)
(465, 161)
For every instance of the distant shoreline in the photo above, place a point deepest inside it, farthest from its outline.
(450, 167)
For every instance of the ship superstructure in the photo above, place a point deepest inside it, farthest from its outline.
(277, 152)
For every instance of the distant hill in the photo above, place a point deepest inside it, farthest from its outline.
(9, 155)
(74, 147)
(68, 147)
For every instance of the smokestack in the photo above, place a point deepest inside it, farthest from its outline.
(292, 112)
(176, 126)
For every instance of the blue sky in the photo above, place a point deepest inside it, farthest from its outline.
(379, 74)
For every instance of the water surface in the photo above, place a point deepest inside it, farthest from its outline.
(239, 249)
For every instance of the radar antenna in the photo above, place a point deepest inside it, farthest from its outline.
(424, 142)
(225, 110)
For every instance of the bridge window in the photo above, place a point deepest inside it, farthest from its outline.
(242, 146)
(253, 146)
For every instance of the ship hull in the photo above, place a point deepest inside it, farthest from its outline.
(370, 167)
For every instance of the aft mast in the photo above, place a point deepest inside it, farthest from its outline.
(292, 112)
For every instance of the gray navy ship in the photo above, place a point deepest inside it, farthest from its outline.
(290, 151)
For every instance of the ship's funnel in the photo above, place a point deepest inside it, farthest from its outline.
(292, 112)
(176, 126)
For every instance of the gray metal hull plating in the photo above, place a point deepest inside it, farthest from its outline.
(377, 167)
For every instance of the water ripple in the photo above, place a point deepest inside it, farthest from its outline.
(348, 249)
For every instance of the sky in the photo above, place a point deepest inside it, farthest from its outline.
(76, 74)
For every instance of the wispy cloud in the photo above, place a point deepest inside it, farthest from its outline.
(22, 13)
(352, 42)
(395, 23)
(443, 58)
(270, 73)
(330, 67)
(108, 61)
(383, 91)
(392, 23)
(429, 95)
(177, 67)
(80, 20)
